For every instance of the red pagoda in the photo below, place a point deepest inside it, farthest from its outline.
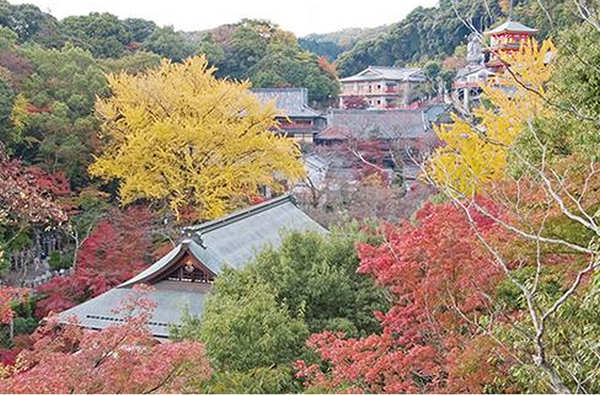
(507, 37)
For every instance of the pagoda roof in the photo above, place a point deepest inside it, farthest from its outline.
(511, 27)
(231, 241)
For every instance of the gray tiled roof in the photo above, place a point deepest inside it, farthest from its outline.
(291, 102)
(233, 240)
(99, 312)
(384, 124)
(512, 26)
(387, 73)
(229, 241)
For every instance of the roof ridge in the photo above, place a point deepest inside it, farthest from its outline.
(241, 214)
(278, 89)
(508, 25)
(395, 67)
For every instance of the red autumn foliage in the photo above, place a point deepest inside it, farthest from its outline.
(327, 66)
(8, 357)
(120, 359)
(440, 279)
(19, 66)
(257, 199)
(7, 296)
(28, 194)
(33, 109)
(355, 103)
(115, 251)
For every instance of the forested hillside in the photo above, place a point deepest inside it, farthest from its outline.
(434, 33)
(330, 45)
(268, 56)
(256, 50)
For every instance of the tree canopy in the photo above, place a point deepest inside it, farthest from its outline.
(179, 135)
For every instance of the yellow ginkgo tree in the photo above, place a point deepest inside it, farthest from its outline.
(178, 135)
(476, 153)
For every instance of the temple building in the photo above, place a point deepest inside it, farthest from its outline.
(382, 87)
(296, 118)
(507, 37)
(182, 278)
(410, 133)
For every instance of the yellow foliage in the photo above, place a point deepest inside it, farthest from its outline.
(177, 134)
(474, 155)
(19, 113)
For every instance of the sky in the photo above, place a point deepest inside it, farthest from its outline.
(299, 16)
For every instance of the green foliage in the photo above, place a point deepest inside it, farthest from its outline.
(571, 340)
(330, 45)
(8, 38)
(329, 49)
(315, 276)
(574, 94)
(213, 52)
(59, 126)
(24, 321)
(255, 381)
(137, 62)
(7, 98)
(29, 23)
(139, 29)
(260, 317)
(250, 329)
(577, 83)
(57, 261)
(269, 57)
(102, 34)
(168, 43)
(434, 33)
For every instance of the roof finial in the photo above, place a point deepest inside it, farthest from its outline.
(188, 235)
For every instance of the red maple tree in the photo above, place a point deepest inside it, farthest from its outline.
(119, 359)
(28, 195)
(441, 281)
(116, 250)
(355, 103)
(7, 296)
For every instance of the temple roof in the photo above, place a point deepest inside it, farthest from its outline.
(99, 312)
(291, 102)
(230, 241)
(386, 73)
(381, 124)
(233, 240)
(511, 26)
